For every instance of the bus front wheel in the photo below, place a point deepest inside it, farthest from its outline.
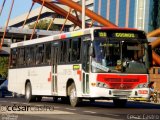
(74, 100)
(28, 93)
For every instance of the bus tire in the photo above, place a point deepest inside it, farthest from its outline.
(65, 100)
(120, 102)
(1, 94)
(92, 100)
(28, 93)
(74, 100)
(55, 99)
(38, 98)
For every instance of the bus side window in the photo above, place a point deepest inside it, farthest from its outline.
(69, 50)
(39, 54)
(21, 57)
(30, 56)
(76, 50)
(63, 58)
(27, 56)
(85, 52)
(13, 58)
(48, 53)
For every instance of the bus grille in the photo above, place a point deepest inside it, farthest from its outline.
(115, 81)
(112, 79)
(121, 86)
(130, 80)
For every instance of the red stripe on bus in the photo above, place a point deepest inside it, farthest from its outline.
(115, 81)
(63, 36)
(50, 77)
(80, 75)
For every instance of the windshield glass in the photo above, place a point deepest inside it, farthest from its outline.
(118, 56)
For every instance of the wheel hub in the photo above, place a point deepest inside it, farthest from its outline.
(73, 95)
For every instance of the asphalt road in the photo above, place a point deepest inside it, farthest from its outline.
(15, 109)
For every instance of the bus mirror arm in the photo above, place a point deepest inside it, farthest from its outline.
(91, 51)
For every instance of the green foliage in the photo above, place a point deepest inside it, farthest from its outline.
(43, 25)
(4, 66)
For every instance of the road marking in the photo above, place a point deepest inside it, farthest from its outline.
(37, 112)
(3, 101)
(16, 102)
(90, 112)
(111, 114)
(70, 109)
(56, 107)
(25, 103)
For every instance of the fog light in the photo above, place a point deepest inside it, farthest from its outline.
(93, 84)
(104, 85)
(99, 84)
(136, 93)
(142, 91)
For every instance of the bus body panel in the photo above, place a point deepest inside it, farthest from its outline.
(68, 72)
(39, 78)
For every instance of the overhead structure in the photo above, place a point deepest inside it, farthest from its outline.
(1, 9)
(37, 20)
(4, 34)
(60, 11)
(28, 14)
(77, 7)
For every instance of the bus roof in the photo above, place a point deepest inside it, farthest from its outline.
(65, 35)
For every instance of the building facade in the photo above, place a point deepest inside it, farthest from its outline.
(123, 13)
(46, 14)
(126, 13)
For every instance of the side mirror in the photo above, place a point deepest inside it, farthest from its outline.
(91, 51)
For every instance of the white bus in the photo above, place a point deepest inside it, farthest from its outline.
(96, 63)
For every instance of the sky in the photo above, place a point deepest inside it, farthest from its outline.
(20, 7)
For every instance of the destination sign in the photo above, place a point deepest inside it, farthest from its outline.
(126, 35)
(102, 33)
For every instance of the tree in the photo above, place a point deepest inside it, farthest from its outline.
(43, 25)
(4, 66)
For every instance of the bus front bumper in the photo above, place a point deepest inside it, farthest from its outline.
(142, 93)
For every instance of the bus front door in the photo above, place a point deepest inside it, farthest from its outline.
(55, 51)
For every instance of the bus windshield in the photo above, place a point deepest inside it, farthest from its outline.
(124, 56)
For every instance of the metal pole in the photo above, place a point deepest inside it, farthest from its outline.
(37, 20)
(83, 13)
(51, 22)
(28, 14)
(6, 25)
(2, 7)
(65, 20)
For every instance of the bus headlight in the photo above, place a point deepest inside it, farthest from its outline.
(142, 85)
(102, 85)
